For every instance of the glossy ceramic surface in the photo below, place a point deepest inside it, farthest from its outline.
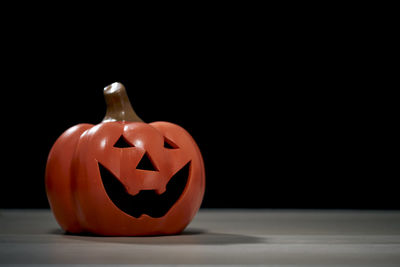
(80, 198)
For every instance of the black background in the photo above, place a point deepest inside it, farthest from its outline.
(288, 117)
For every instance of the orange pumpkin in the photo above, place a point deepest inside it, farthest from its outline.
(124, 177)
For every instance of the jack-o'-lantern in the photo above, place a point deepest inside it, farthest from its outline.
(124, 177)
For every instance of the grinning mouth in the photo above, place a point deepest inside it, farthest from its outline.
(146, 201)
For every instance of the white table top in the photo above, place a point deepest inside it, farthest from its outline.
(243, 237)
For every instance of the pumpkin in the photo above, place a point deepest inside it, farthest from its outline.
(124, 177)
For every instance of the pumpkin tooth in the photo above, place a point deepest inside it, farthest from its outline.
(160, 191)
(133, 192)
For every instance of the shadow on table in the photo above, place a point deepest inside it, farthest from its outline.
(190, 236)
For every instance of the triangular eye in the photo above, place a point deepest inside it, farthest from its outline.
(146, 164)
(169, 144)
(122, 143)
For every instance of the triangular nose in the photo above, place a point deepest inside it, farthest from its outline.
(146, 164)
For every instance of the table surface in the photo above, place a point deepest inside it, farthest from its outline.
(243, 237)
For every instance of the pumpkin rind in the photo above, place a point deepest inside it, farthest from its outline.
(77, 195)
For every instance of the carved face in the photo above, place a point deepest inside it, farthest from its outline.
(130, 179)
(146, 186)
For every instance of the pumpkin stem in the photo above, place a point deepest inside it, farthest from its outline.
(119, 107)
